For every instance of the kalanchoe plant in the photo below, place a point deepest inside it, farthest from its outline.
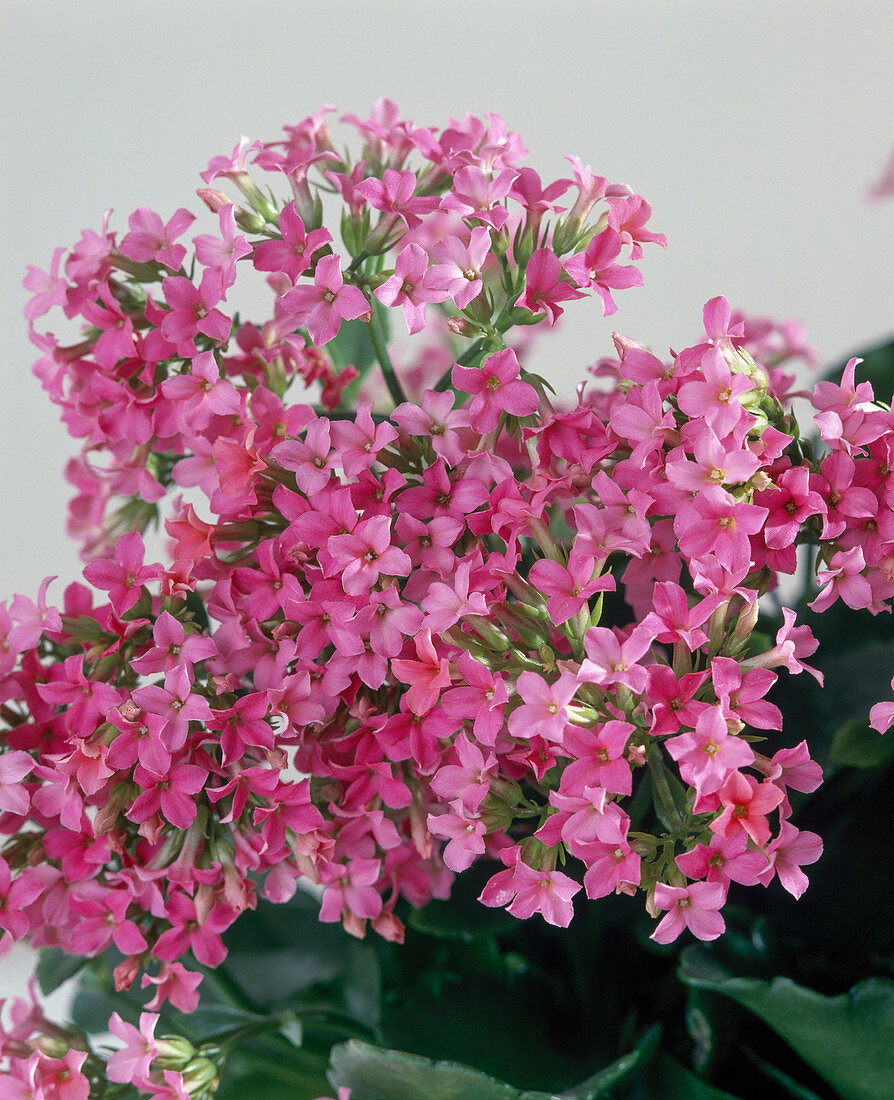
(414, 614)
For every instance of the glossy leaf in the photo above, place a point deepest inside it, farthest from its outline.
(848, 1039)
(858, 746)
(376, 1074)
(55, 967)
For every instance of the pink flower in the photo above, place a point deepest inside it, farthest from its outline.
(124, 577)
(745, 806)
(426, 676)
(131, 1065)
(545, 287)
(544, 711)
(176, 984)
(597, 270)
(361, 556)
(524, 891)
(844, 578)
(694, 907)
(458, 270)
(568, 589)
(495, 388)
(193, 311)
(294, 252)
(707, 755)
(323, 306)
(411, 286)
(464, 831)
(787, 853)
(221, 253)
(149, 240)
(724, 860)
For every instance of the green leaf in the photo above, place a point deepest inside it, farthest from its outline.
(282, 954)
(858, 746)
(791, 1086)
(55, 967)
(848, 1039)
(666, 1079)
(376, 1074)
(353, 347)
(213, 1020)
(621, 1070)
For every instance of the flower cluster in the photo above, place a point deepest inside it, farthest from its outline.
(425, 617)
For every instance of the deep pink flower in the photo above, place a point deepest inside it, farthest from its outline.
(545, 287)
(193, 310)
(426, 676)
(323, 306)
(595, 268)
(746, 804)
(293, 253)
(787, 853)
(495, 388)
(152, 241)
(708, 754)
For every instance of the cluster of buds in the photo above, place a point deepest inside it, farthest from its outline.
(419, 616)
(41, 1061)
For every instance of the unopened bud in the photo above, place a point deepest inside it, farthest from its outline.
(462, 326)
(174, 1052)
(215, 200)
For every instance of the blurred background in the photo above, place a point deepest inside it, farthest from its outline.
(753, 128)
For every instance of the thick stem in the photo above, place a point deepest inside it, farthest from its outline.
(378, 341)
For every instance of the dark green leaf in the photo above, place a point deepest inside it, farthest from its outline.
(213, 1020)
(55, 967)
(666, 1079)
(621, 1070)
(279, 954)
(848, 1039)
(376, 1074)
(858, 746)
(791, 1086)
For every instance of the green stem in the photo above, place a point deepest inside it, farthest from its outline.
(656, 773)
(274, 1068)
(466, 359)
(378, 341)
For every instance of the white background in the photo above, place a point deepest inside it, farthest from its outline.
(752, 128)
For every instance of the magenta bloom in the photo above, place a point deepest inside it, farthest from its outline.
(323, 306)
(568, 589)
(495, 388)
(131, 1065)
(411, 286)
(544, 286)
(193, 310)
(293, 253)
(150, 240)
